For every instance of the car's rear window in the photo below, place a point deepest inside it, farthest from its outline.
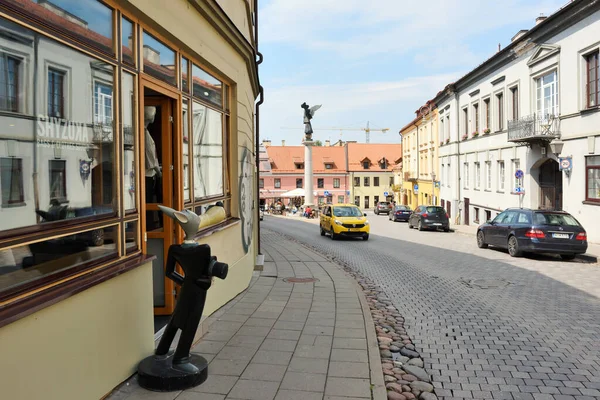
(402, 208)
(384, 203)
(435, 210)
(554, 219)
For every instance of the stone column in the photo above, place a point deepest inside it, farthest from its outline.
(309, 198)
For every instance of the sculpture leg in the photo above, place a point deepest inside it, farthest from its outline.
(182, 353)
(166, 340)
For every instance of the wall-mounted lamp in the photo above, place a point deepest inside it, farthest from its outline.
(556, 146)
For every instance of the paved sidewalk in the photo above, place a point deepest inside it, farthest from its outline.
(287, 341)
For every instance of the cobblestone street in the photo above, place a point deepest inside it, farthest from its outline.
(535, 336)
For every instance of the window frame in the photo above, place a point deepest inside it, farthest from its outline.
(514, 102)
(366, 181)
(588, 168)
(376, 181)
(500, 112)
(336, 183)
(596, 82)
(20, 182)
(320, 183)
(488, 175)
(356, 181)
(488, 113)
(50, 106)
(554, 85)
(501, 175)
(299, 181)
(466, 175)
(64, 195)
(476, 122)
(477, 175)
(17, 79)
(261, 183)
(277, 183)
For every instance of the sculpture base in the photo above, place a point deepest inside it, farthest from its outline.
(157, 373)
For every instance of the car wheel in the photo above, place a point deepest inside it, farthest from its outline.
(322, 231)
(420, 226)
(375, 212)
(98, 237)
(446, 229)
(481, 240)
(409, 224)
(366, 237)
(567, 256)
(332, 235)
(513, 247)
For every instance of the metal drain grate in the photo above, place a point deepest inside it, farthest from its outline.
(300, 280)
(486, 283)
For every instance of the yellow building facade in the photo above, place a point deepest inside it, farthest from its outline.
(102, 84)
(420, 170)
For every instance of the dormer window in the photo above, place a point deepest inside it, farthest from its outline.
(366, 163)
(299, 163)
(328, 166)
(328, 162)
(383, 163)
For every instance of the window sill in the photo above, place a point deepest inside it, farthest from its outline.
(217, 228)
(41, 299)
(591, 203)
(14, 205)
(589, 110)
(488, 190)
(500, 191)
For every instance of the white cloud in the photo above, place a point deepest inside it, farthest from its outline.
(385, 103)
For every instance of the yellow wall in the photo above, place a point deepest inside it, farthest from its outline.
(81, 347)
(181, 20)
(371, 191)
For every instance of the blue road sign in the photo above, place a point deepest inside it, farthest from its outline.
(519, 174)
(385, 194)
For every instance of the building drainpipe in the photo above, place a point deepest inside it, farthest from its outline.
(257, 127)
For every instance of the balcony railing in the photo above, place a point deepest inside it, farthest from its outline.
(410, 176)
(534, 128)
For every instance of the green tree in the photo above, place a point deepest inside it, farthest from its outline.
(318, 143)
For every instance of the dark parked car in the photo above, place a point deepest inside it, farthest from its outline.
(383, 207)
(429, 217)
(522, 230)
(400, 213)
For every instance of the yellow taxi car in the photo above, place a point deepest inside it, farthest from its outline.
(343, 220)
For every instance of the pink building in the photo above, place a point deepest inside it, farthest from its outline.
(282, 170)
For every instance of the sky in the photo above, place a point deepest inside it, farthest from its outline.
(373, 61)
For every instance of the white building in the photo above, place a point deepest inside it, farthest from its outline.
(514, 111)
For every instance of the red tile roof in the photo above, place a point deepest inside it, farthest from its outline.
(357, 152)
(285, 157)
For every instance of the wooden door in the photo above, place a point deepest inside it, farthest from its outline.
(159, 138)
(467, 206)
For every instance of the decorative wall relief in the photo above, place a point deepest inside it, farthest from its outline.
(84, 169)
(246, 199)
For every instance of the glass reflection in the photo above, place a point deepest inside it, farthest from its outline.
(186, 150)
(131, 236)
(60, 164)
(129, 106)
(28, 263)
(127, 40)
(207, 87)
(88, 21)
(185, 74)
(208, 151)
(159, 60)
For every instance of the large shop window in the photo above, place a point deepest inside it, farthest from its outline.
(159, 60)
(592, 171)
(87, 21)
(208, 152)
(57, 158)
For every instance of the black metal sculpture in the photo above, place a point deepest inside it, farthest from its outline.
(167, 370)
(309, 113)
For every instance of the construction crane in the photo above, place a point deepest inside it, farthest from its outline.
(367, 130)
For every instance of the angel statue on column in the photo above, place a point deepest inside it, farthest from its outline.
(309, 113)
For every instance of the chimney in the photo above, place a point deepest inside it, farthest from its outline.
(266, 142)
(283, 142)
(540, 19)
(327, 143)
(499, 48)
(151, 54)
